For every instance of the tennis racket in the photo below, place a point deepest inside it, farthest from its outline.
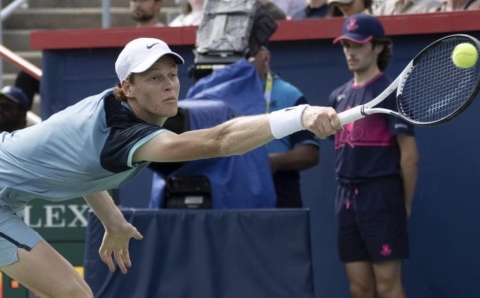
(431, 90)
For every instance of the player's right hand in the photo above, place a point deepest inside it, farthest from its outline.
(116, 241)
(322, 121)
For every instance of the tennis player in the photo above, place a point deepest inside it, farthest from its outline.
(376, 168)
(101, 143)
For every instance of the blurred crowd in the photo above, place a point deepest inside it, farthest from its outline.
(146, 12)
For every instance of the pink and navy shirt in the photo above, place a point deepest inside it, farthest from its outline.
(367, 148)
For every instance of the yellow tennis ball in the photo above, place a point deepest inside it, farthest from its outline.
(465, 55)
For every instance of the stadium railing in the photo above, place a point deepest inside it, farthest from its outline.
(16, 59)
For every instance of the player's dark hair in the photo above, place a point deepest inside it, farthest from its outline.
(118, 91)
(334, 11)
(384, 57)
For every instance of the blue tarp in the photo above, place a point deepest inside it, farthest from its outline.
(238, 181)
(237, 85)
(207, 254)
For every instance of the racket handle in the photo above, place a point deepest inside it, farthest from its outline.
(351, 115)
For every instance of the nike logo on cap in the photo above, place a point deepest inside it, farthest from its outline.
(150, 46)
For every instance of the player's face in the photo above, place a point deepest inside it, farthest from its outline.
(144, 10)
(156, 90)
(360, 56)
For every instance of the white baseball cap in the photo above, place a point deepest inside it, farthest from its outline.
(141, 53)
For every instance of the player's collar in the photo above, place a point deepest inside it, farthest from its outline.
(127, 106)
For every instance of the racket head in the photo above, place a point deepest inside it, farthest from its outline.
(432, 90)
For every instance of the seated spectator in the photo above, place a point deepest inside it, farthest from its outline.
(30, 87)
(347, 8)
(394, 7)
(28, 84)
(191, 16)
(289, 7)
(145, 12)
(458, 5)
(14, 105)
(315, 9)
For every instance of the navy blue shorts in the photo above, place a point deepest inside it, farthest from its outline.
(372, 221)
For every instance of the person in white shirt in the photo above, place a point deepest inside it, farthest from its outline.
(395, 7)
(290, 7)
(459, 5)
(192, 15)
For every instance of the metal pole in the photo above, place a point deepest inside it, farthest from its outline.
(105, 13)
(11, 8)
(1, 42)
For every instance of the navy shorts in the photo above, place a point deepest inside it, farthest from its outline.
(372, 221)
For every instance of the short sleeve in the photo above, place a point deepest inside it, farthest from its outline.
(397, 125)
(331, 103)
(126, 134)
(331, 99)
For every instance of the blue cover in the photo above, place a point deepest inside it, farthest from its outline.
(237, 85)
(238, 181)
(207, 254)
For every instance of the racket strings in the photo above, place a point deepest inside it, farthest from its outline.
(436, 88)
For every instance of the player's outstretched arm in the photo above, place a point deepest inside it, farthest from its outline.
(239, 135)
(118, 231)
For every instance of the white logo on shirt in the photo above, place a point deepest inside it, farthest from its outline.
(400, 125)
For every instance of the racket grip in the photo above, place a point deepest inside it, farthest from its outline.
(351, 115)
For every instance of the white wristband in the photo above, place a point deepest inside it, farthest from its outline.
(287, 121)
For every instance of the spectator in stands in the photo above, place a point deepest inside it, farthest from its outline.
(347, 8)
(192, 14)
(145, 12)
(459, 5)
(28, 84)
(14, 105)
(315, 9)
(395, 7)
(289, 7)
(292, 154)
(376, 168)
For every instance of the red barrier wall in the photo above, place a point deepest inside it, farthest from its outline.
(288, 30)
